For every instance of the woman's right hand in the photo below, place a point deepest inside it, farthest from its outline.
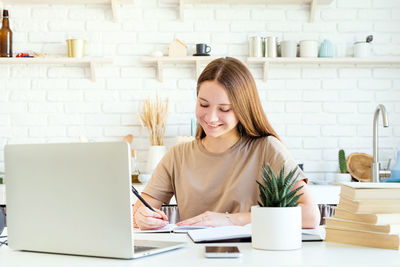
(146, 219)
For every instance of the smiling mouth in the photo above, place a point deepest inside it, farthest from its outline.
(213, 125)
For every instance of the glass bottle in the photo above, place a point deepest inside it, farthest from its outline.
(396, 168)
(5, 37)
(135, 169)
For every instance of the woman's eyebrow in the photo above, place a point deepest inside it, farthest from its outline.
(222, 104)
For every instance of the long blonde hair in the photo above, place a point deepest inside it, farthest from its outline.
(242, 92)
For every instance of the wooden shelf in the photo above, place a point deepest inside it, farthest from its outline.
(313, 4)
(160, 63)
(91, 62)
(266, 62)
(114, 3)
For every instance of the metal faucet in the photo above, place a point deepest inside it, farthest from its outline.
(376, 172)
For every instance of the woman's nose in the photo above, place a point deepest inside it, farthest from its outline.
(212, 115)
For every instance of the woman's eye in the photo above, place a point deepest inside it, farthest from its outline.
(225, 110)
(203, 106)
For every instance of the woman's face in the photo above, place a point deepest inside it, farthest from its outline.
(214, 110)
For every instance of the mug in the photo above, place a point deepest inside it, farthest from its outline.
(308, 48)
(288, 49)
(76, 48)
(202, 49)
(362, 49)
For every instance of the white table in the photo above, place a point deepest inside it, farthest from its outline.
(312, 254)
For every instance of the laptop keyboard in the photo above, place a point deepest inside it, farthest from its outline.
(142, 248)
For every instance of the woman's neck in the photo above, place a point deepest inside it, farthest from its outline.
(220, 144)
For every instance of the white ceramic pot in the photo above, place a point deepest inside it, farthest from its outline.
(362, 49)
(342, 177)
(288, 49)
(156, 153)
(276, 228)
(309, 48)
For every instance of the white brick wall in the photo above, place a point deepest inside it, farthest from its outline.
(315, 109)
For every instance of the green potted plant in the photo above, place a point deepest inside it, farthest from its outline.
(276, 222)
(343, 175)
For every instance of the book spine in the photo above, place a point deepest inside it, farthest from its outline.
(361, 238)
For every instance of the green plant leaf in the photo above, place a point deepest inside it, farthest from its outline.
(282, 179)
(294, 201)
(288, 180)
(263, 195)
(293, 192)
(293, 198)
(273, 182)
(277, 190)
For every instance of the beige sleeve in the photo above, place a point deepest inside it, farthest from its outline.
(160, 185)
(277, 156)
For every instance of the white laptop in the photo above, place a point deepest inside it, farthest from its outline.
(73, 199)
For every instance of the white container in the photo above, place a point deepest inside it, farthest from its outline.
(255, 46)
(276, 228)
(271, 46)
(342, 177)
(309, 48)
(362, 49)
(154, 156)
(144, 178)
(288, 49)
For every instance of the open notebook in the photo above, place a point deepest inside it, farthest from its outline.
(172, 228)
(243, 233)
(226, 233)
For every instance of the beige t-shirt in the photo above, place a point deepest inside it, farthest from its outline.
(224, 182)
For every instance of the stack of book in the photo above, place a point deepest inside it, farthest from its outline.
(368, 214)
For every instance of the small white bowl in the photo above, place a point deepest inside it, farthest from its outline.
(144, 177)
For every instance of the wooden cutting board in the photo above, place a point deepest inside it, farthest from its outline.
(359, 166)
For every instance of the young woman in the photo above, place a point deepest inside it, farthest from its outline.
(214, 177)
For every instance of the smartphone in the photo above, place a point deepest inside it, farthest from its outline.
(222, 252)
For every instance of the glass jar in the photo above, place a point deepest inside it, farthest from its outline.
(135, 169)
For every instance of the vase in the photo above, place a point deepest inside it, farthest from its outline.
(274, 228)
(156, 153)
(396, 168)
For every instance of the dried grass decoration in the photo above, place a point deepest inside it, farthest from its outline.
(154, 117)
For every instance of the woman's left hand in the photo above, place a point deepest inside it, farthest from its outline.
(209, 218)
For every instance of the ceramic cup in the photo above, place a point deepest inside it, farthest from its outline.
(362, 49)
(202, 49)
(308, 48)
(288, 49)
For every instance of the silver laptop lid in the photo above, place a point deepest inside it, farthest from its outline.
(70, 198)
